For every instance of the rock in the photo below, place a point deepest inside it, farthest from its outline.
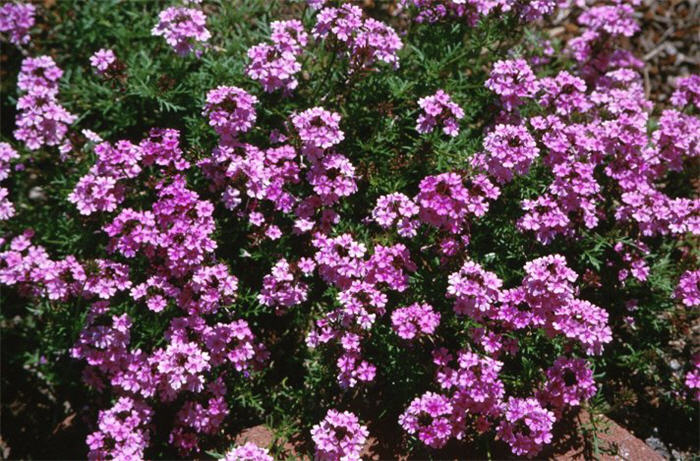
(658, 446)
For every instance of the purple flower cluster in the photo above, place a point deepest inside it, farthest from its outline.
(184, 281)
(102, 60)
(123, 432)
(396, 210)
(365, 41)
(527, 426)
(318, 128)
(687, 92)
(471, 11)
(41, 120)
(231, 110)
(339, 436)
(546, 299)
(362, 282)
(475, 290)
(688, 289)
(182, 28)
(276, 65)
(415, 320)
(247, 452)
(473, 396)
(510, 149)
(591, 123)
(593, 118)
(15, 20)
(512, 80)
(569, 383)
(446, 200)
(282, 288)
(692, 378)
(428, 417)
(439, 109)
(7, 155)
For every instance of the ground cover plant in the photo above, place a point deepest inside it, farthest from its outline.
(425, 222)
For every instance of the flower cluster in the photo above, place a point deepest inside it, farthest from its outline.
(687, 92)
(41, 120)
(475, 289)
(692, 378)
(339, 436)
(510, 149)
(15, 20)
(396, 210)
(341, 261)
(7, 155)
(365, 41)
(470, 11)
(102, 60)
(569, 383)
(276, 65)
(317, 127)
(182, 28)
(428, 417)
(527, 426)
(415, 320)
(248, 452)
(231, 110)
(439, 109)
(688, 289)
(122, 431)
(512, 80)
(445, 201)
(282, 288)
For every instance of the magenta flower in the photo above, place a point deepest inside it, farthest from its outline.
(439, 109)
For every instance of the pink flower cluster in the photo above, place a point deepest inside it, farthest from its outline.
(231, 110)
(365, 42)
(7, 155)
(415, 320)
(474, 401)
(428, 417)
(318, 128)
(15, 20)
(41, 120)
(123, 432)
(182, 28)
(470, 11)
(569, 383)
(247, 452)
(692, 378)
(475, 289)
(397, 210)
(103, 187)
(512, 80)
(439, 109)
(527, 426)
(688, 289)
(510, 150)
(544, 299)
(276, 65)
(687, 92)
(339, 436)
(590, 123)
(102, 60)
(447, 200)
(183, 281)
(362, 282)
(595, 118)
(282, 288)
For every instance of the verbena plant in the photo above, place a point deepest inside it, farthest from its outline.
(423, 221)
